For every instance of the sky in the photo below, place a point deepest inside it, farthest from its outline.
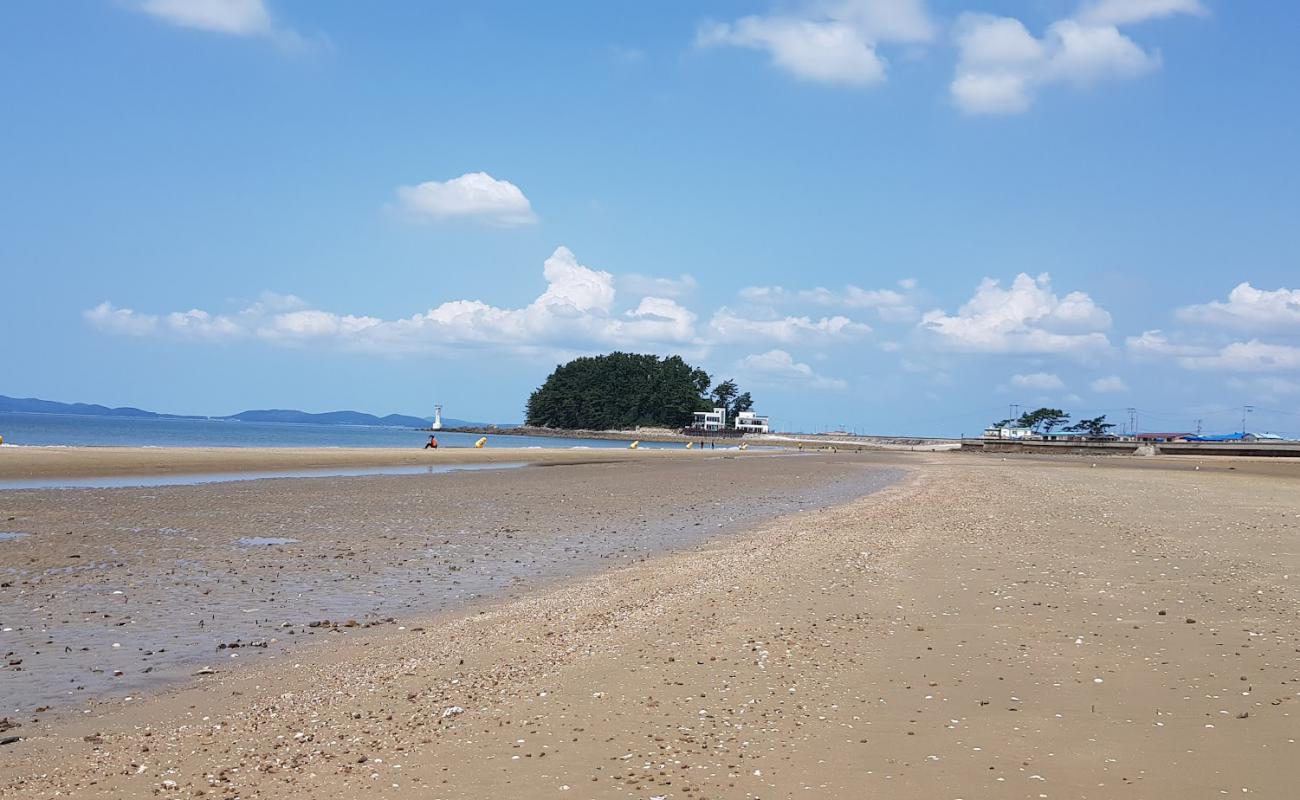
(889, 216)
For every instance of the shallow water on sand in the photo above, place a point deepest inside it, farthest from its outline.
(120, 591)
(192, 479)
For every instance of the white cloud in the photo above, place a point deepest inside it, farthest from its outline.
(1128, 12)
(1026, 318)
(829, 42)
(1001, 65)
(249, 18)
(829, 52)
(575, 311)
(676, 288)
(1251, 356)
(780, 367)
(578, 311)
(1111, 384)
(126, 321)
(1038, 381)
(1154, 344)
(474, 195)
(726, 326)
(235, 17)
(1249, 308)
(764, 294)
(892, 306)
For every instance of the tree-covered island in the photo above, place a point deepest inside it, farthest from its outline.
(621, 391)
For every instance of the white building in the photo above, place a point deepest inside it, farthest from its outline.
(749, 422)
(714, 420)
(1008, 432)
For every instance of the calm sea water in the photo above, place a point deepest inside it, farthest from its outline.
(72, 429)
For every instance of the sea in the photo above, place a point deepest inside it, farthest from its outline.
(74, 430)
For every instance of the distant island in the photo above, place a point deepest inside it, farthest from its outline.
(32, 405)
(623, 391)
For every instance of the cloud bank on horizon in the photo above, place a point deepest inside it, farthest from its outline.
(578, 313)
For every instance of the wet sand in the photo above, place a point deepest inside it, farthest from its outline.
(116, 591)
(18, 463)
(987, 628)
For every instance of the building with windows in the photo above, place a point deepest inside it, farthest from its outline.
(1008, 432)
(714, 420)
(1157, 438)
(749, 422)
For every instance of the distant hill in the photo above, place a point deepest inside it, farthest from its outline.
(32, 405)
(328, 418)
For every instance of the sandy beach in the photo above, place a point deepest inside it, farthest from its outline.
(893, 625)
(80, 462)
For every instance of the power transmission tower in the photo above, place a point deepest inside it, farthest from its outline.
(1244, 411)
(1132, 420)
(1198, 427)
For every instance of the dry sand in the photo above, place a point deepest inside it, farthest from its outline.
(988, 628)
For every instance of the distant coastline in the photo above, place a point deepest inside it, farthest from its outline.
(32, 405)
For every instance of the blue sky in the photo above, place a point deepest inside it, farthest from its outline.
(891, 215)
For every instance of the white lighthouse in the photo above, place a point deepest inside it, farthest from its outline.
(437, 419)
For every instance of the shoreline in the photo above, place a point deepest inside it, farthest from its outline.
(107, 461)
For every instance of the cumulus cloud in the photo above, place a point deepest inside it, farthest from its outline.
(196, 323)
(249, 18)
(1251, 356)
(1038, 381)
(1002, 66)
(1025, 318)
(474, 195)
(827, 42)
(1249, 308)
(576, 310)
(778, 366)
(1111, 384)
(727, 326)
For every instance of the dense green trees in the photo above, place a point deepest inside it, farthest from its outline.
(628, 390)
(728, 395)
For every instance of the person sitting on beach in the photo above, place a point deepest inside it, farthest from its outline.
(432, 444)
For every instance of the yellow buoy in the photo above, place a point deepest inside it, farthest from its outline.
(745, 446)
(689, 445)
(479, 444)
(634, 445)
